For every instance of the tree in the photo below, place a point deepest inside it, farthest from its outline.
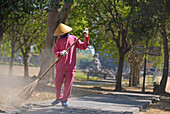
(10, 13)
(125, 20)
(164, 18)
(23, 34)
(58, 13)
(13, 39)
(31, 33)
(10, 7)
(159, 22)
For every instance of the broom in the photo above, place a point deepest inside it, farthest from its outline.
(29, 89)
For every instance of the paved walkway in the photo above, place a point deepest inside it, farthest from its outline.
(113, 103)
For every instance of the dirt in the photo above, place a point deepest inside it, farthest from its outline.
(161, 106)
(10, 86)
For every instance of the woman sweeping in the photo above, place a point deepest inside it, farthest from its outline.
(66, 67)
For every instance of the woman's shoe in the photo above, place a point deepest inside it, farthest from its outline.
(56, 101)
(64, 103)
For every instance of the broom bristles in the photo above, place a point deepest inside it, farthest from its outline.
(28, 90)
(17, 99)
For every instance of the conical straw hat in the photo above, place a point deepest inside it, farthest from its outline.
(62, 29)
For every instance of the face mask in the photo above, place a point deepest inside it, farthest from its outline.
(64, 36)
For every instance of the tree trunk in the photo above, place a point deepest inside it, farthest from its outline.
(1, 34)
(136, 63)
(137, 73)
(47, 57)
(119, 73)
(54, 19)
(52, 77)
(10, 73)
(12, 35)
(131, 62)
(26, 67)
(131, 76)
(166, 57)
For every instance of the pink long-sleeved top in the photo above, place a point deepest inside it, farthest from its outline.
(68, 62)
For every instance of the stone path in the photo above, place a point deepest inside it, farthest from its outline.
(113, 103)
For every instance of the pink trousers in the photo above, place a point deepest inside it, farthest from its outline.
(67, 78)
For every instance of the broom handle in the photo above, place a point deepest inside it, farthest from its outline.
(40, 77)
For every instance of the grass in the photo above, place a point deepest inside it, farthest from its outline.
(81, 76)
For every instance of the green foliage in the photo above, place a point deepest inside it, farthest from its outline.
(144, 19)
(77, 21)
(10, 7)
(5, 47)
(30, 31)
(80, 76)
(101, 18)
(36, 30)
(82, 56)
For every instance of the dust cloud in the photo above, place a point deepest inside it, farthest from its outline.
(9, 87)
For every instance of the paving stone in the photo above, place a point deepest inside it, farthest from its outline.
(113, 103)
